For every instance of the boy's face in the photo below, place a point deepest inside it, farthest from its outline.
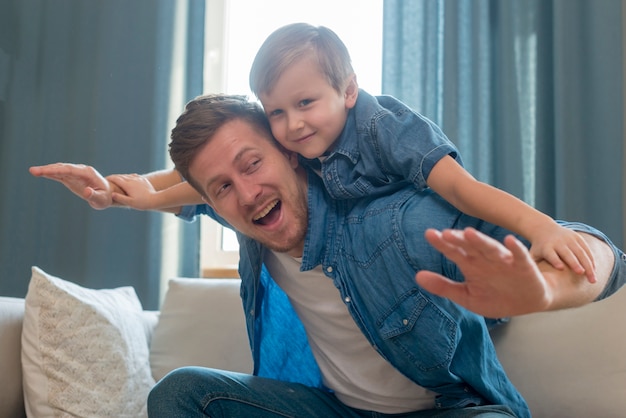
(305, 112)
(254, 186)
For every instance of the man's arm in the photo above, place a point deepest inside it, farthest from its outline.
(82, 180)
(161, 190)
(503, 280)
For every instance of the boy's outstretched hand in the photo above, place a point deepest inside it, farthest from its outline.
(83, 180)
(500, 280)
(563, 247)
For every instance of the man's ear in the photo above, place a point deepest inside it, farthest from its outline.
(351, 92)
(293, 159)
(206, 200)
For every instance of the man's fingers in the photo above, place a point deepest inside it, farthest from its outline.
(468, 243)
(446, 245)
(439, 285)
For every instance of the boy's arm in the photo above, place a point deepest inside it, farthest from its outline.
(503, 280)
(149, 192)
(549, 240)
(162, 179)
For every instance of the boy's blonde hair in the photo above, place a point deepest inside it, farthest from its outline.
(292, 42)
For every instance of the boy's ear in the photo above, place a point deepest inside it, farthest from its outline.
(291, 156)
(351, 92)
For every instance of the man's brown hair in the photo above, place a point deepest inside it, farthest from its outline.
(202, 117)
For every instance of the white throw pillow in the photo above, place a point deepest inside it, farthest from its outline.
(201, 324)
(84, 351)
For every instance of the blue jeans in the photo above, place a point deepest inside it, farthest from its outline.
(191, 392)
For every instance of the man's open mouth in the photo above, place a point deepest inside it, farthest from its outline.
(269, 214)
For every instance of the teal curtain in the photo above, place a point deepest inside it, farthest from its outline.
(90, 82)
(531, 91)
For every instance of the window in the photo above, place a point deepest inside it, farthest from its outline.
(235, 29)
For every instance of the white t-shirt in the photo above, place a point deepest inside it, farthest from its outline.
(360, 377)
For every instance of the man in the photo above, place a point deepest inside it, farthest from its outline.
(383, 344)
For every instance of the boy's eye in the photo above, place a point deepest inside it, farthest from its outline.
(305, 102)
(275, 113)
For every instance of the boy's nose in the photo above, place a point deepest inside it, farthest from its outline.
(295, 122)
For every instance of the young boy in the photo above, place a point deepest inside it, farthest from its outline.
(369, 145)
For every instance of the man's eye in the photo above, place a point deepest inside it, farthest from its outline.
(274, 113)
(222, 189)
(253, 166)
(305, 102)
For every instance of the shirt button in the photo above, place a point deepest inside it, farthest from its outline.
(252, 312)
(329, 269)
(347, 299)
(405, 321)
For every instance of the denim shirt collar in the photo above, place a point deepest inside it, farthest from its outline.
(346, 145)
(318, 241)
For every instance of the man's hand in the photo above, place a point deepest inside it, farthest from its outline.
(500, 280)
(84, 181)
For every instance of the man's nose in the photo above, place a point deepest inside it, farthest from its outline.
(248, 191)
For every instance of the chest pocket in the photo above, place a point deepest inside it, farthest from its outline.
(420, 330)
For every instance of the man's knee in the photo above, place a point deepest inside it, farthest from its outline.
(603, 256)
(610, 263)
(182, 389)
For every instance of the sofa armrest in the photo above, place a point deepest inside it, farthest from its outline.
(11, 395)
(11, 319)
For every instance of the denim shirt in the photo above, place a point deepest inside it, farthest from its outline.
(371, 249)
(384, 146)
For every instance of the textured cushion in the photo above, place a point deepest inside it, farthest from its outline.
(569, 363)
(11, 398)
(201, 324)
(84, 351)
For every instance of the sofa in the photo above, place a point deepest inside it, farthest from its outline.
(70, 351)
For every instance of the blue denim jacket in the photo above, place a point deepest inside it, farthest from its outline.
(371, 249)
(383, 146)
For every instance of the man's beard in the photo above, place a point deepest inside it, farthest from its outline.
(299, 231)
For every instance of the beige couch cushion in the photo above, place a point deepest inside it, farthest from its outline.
(201, 324)
(569, 363)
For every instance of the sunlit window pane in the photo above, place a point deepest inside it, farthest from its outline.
(246, 24)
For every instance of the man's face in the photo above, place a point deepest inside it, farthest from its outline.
(254, 186)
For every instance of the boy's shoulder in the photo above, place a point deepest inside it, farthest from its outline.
(368, 105)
